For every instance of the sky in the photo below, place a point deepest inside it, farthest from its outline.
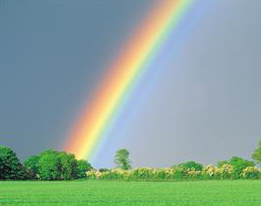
(204, 104)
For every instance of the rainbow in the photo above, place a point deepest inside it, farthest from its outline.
(122, 75)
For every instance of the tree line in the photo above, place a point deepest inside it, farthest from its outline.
(48, 165)
(60, 165)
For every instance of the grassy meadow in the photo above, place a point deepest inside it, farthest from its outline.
(106, 192)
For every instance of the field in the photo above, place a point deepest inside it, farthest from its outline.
(99, 193)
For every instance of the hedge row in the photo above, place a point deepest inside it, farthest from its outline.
(209, 172)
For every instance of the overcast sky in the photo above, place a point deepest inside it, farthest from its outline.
(204, 103)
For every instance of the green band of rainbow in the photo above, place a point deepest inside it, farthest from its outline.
(123, 74)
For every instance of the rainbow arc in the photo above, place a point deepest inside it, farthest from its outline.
(122, 74)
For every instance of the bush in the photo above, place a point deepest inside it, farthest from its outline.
(161, 174)
(239, 164)
(226, 172)
(10, 166)
(251, 173)
(210, 172)
(141, 173)
(194, 174)
(93, 174)
(180, 173)
(104, 170)
(115, 174)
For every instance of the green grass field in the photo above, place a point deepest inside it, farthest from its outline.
(184, 193)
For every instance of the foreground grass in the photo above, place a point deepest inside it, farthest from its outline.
(99, 193)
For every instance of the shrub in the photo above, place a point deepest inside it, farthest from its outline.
(163, 173)
(104, 170)
(239, 164)
(194, 174)
(251, 173)
(93, 174)
(210, 172)
(169, 173)
(115, 174)
(141, 173)
(226, 171)
(180, 173)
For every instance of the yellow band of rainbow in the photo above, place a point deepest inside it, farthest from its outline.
(122, 74)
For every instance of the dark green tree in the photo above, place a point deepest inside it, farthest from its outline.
(82, 167)
(56, 165)
(257, 154)
(68, 166)
(31, 165)
(122, 159)
(10, 166)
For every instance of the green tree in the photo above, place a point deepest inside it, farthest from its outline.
(49, 165)
(122, 159)
(31, 165)
(68, 166)
(190, 165)
(10, 166)
(82, 167)
(257, 154)
(56, 165)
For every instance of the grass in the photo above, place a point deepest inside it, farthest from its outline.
(99, 193)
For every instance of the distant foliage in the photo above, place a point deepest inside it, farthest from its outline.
(10, 166)
(226, 172)
(122, 159)
(221, 163)
(239, 164)
(211, 172)
(104, 170)
(191, 165)
(60, 165)
(251, 173)
(257, 154)
(142, 173)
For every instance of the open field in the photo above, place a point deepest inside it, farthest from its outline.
(184, 193)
